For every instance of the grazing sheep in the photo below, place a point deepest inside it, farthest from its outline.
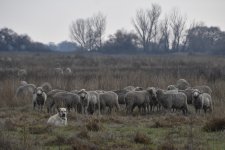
(202, 101)
(89, 101)
(22, 73)
(121, 95)
(182, 84)
(139, 98)
(58, 71)
(173, 100)
(39, 95)
(59, 119)
(66, 99)
(46, 86)
(109, 99)
(23, 83)
(172, 87)
(68, 71)
(203, 89)
(50, 101)
(129, 88)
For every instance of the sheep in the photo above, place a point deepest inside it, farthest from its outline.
(89, 100)
(22, 73)
(58, 71)
(139, 98)
(173, 100)
(189, 91)
(66, 99)
(39, 95)
(121, 95)
(68, 71)
(153, 100)
(59, 119)
(172, 87)
(202, 101)
(203, 89)
(129, 88)
(182, 84)
(50, 101)
(109, 99)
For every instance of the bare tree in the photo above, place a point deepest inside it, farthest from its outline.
(145, 24)
(78, 31)
(165, 34)
(88, 33)
(177, 24)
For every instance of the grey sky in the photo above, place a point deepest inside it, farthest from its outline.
(49, 20)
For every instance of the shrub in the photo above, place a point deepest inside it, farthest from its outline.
(215, 124)
(142, 138)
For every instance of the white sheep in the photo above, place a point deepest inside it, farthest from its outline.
(202, 101)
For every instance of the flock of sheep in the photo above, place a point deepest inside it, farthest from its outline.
(176, 97)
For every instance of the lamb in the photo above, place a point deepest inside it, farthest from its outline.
(89, 101)
(109, 99)
(39, 94)
(59, 119)
(202, 101)
(66, 99)
(173, 100)
(139, 98)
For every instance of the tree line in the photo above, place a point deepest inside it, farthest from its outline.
(152, 32)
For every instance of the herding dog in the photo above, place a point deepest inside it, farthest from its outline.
(59, 119)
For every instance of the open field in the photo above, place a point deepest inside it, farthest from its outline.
(22, 128)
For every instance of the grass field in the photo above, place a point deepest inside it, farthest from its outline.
(22, 128)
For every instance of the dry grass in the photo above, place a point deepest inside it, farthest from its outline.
(215, 124)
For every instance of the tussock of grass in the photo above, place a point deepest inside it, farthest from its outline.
(83, 134)
(142, 138)
(93, 125)
(215, 124)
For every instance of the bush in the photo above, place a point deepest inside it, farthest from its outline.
(215, 124)
(142, 138)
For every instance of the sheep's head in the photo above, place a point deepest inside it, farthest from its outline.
(39, 91)
(196, 93)
(62, 113)
(83, 94)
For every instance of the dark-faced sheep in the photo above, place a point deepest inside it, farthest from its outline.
(202, 101)
(109, 99)
(39, 94)
(175, 100)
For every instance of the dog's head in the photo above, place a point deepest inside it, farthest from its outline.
(62, 113)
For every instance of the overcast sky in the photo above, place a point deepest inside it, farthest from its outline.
(49, 20)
